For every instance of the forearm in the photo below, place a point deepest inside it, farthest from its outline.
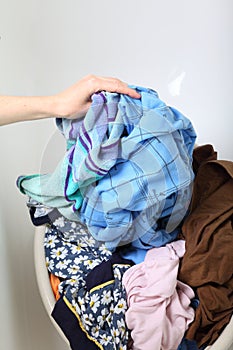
(70, 103)
(22, 108)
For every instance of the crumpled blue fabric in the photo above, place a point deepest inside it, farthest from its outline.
(127, 172)
(187, 344)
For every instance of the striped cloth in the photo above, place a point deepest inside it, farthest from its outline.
(127, 172)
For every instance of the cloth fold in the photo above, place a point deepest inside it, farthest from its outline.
(207, 263)
(127, 172)
(159, 310)
(92, 300)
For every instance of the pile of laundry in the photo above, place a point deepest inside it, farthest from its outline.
(139, 236)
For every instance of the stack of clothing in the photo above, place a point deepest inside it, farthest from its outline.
(120, 228)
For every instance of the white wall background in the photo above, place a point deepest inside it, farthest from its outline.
(183, 49)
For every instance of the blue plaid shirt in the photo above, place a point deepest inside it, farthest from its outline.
(127, 172)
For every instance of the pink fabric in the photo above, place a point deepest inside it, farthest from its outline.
(159, 309)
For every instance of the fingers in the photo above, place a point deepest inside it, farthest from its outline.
(123, 88)
(112, 85)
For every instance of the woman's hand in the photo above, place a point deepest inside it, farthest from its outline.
(76, 100)
(71, 103)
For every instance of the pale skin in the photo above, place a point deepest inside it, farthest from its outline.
(70, 103)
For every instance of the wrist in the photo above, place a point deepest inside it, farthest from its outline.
(59, 106)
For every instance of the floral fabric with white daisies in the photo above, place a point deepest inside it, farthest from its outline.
(71, 254)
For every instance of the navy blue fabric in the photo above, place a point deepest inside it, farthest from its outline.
(103, 272)
(45, 219)
(69, 324)
(187, 344)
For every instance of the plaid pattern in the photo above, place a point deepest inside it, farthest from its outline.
(127, 171)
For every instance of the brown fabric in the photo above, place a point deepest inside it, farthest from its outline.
(203, 154)
(207, 265)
